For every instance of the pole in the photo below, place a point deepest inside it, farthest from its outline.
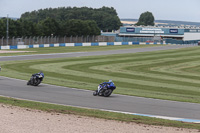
(7, 30)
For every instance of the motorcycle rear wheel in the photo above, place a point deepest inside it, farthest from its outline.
(107, 93)
(29, 82)
(37, 82)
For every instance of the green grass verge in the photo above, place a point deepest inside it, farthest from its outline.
(159, 74)
(72, 49)
(96, 113)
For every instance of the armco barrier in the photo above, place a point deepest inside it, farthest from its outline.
(75, 44)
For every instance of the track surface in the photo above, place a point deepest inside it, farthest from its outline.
(75, 97)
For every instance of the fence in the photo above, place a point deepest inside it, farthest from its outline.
(84, 39)
(154, 39)
(53, 39)
(138, 39)
(174, 41)
(131, 39)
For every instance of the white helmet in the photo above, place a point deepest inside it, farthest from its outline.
(110, 80)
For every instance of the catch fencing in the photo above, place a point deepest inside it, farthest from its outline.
(137, 39)
(87, 39)
(155, 40)
(53, 39)
(174, 41)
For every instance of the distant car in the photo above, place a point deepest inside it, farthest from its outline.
(148, 41)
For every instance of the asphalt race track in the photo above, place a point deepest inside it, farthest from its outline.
(83, 98)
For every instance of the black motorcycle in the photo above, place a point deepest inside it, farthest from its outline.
(36, 79)
(104, 90)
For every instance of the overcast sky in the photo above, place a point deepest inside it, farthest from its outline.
(183, 10)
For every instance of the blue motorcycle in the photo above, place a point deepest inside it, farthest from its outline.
(36, 79)
(105, 89)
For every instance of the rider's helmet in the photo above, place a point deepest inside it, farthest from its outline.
(40, 72)
(110, 80)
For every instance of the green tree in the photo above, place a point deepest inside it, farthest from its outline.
(146, 18)
(49, 26)
(3, 27)
(77, 27)
(23, 27)
(62, 21)
(105, 17)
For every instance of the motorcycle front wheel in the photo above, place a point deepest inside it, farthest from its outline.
(95, 93)
(29, 82)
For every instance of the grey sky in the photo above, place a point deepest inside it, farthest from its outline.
(183, 10)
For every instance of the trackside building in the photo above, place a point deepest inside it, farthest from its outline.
(183, 33)
(175, 33)
(180, 35)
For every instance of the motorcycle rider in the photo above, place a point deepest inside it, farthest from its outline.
(108, 85)
(35, 76)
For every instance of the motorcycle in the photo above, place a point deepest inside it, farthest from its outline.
(104, 90)
(35, 79)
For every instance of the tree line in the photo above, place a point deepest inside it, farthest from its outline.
(63, 21)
